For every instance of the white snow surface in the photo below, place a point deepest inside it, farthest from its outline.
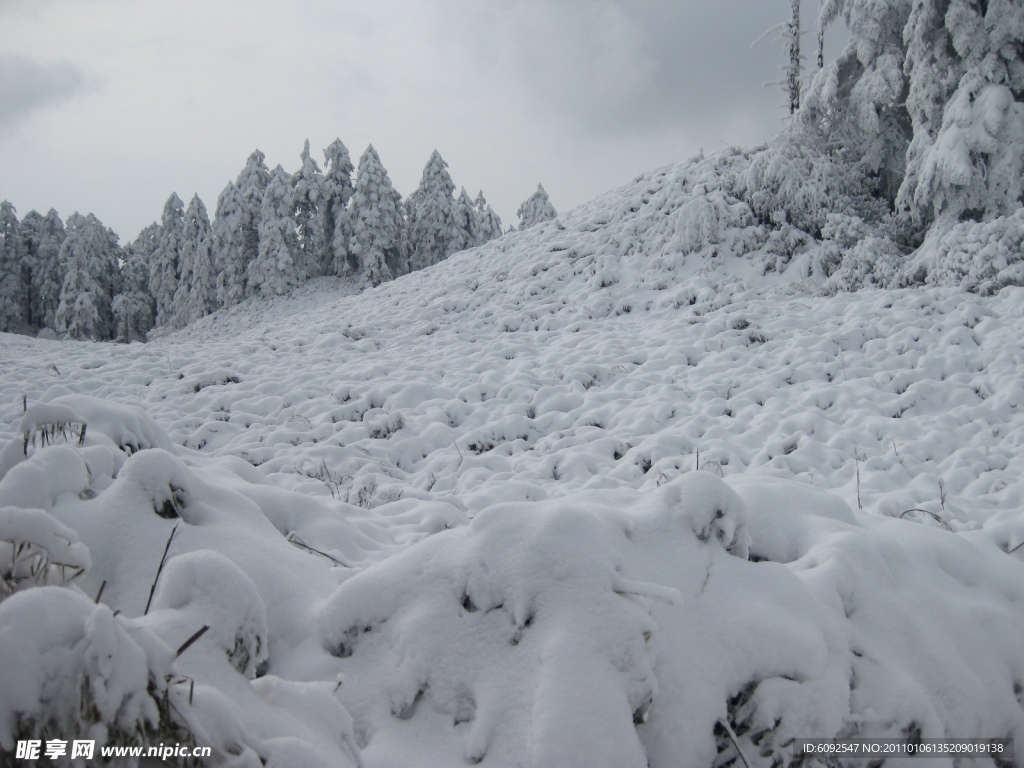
(583, 496)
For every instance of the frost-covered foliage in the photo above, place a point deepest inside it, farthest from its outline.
(274, 270)
(309, 195)
(90, 255)
(488, 222)
(430, 211)
(133, 308)
(164, 264)
(196, 294)
(375, 247)
(229, 245)
(338, 191)
(977, 256)
(536, 209)
(44, 236)
(13, 291)
(465, 223)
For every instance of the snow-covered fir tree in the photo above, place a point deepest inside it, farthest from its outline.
(91, 254)
(43, 236)
(252, 185)
(196, 295)
(274, 271)
(965, 63)
(375, 247)
(535, 209)
(308, 195)
(488, 222)
(465, 226)
(337, 186)
(133, 309)
(164, 265)
(13, 287)
(229, 245)
(430, 211)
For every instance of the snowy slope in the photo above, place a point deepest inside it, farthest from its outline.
(470, 496)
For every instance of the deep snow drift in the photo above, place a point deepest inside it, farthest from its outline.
(598, 493)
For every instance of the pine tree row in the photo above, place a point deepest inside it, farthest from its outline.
(271, 231)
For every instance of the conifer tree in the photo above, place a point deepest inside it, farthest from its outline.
(43, 236)
(133, 309)
(252, 185)
(164, 267)
(536, 209)
(334, 212)
(431, 210)
(229, 245)
(196, 295)
(488, 222)
(274, 272)
(13, 290)
(308, 195)
(465, 226)
(376, 221)
(91, 253)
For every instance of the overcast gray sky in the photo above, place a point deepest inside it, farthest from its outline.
(107, 106)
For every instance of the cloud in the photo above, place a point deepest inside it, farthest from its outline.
(27, 86)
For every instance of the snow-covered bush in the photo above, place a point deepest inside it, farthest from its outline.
(69, 667)
(36, 549)
(204, 588)
(873, 262)
(976, 256)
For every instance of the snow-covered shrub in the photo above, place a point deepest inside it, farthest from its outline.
(69, 668)
(976, 256)
(793, 181)
(35, 550)
(873, 262)
(527, 630)
(204, 588)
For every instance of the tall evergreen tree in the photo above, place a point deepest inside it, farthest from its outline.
(334, 211)
(308, 197)
(465, 226)
(376, 221)
(196, 295)
(43, 236)
(431, 210)
(229, 246)
(488, 222)
(274, 272)
(133, 308)
(165, 267)
(13, 290)
(535, 209)
(91, 253)
(252, 185)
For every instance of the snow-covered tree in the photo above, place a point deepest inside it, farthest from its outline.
(965, 61)
(164, 265)
(274, 271)
(338, 190)
(375, 245)
(43, 236)
(488, 222)
(229, 245)
(535, 209)
(465, 226)
(431, 209)
(133, 309)
(308, 196)
(91, 254)
(13, 288)
(252, 185)
(196, 295)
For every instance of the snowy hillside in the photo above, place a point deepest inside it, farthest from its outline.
(624, 489)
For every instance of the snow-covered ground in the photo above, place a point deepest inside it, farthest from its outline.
(593, 494)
